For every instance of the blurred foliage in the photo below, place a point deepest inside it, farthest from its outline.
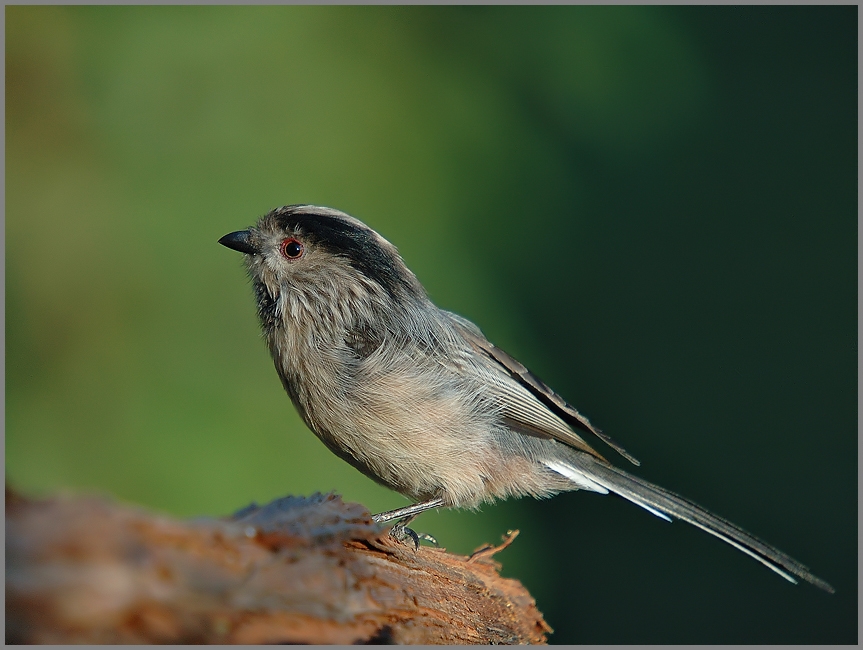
(654, 208)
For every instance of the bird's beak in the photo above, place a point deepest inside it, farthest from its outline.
(240, 241)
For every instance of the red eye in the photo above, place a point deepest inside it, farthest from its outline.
(292, 249)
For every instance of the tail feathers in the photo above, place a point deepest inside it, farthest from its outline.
(666, 504)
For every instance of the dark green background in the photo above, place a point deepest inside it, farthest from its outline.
(653, 208)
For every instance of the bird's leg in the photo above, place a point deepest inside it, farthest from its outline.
(408, 511)
(404, 516)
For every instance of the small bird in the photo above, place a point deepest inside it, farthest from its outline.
(416, 397)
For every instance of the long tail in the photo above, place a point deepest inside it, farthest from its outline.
(666, 505)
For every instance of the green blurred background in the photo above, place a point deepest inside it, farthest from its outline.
(654, 208)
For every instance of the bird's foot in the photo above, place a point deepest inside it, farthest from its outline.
(402, 533)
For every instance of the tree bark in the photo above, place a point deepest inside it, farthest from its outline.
(298, 570)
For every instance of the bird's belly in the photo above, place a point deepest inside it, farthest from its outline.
(422, 441)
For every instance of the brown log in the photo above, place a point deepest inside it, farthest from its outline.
(298, 570)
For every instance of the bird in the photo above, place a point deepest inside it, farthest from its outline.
(416, 397)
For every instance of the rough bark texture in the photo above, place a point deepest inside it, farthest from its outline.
(298, 570)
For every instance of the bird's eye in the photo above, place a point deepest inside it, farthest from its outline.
(292, 249)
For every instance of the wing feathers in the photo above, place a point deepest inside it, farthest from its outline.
(542, 394)
(530, 407)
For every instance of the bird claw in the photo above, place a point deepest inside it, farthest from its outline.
(401, 533)
(428, 538)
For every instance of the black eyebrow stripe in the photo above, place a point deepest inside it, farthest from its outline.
(357, 244)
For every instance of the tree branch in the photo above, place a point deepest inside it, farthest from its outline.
(298, 570)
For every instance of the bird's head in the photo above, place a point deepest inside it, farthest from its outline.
(313, 262)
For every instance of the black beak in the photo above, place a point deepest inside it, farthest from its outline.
(240, 241)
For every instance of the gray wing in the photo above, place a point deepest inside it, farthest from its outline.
(653, 498)
(531, 416)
